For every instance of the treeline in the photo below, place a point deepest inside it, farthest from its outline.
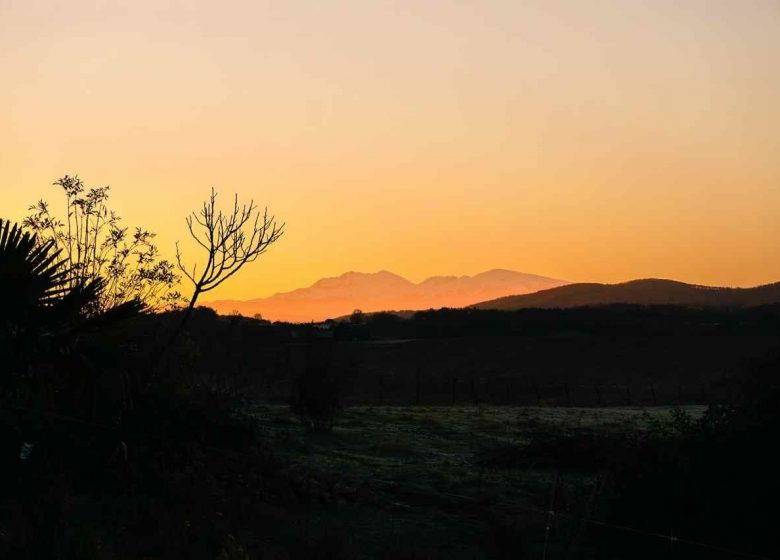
(609, 320)
(387, 359)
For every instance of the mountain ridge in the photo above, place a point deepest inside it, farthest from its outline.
(382, 290)
(645, 291)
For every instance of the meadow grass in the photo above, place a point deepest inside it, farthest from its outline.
(441, 474)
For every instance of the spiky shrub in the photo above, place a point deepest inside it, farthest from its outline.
(32, 282)
(45, 314)
(31, 275)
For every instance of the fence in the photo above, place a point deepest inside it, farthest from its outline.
(416, 389)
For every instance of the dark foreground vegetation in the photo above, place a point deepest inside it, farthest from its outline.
(616, 432)
(196, 466)
(630, 355)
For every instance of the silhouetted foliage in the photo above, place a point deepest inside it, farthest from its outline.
(49, 318)
(232, 550)
(93, 245)
(357, 317)
(316, 392)
(616, 319)
(230, 239)
(711, 480)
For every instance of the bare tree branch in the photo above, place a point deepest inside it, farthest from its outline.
(231, 239)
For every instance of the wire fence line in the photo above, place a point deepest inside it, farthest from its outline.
(413, 389)
(550, 515)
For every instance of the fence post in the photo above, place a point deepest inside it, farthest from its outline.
(550, 516)
(652, 392)
(568, 395)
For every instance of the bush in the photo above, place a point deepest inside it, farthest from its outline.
(315, 398)
(719, 486)
(232, 550)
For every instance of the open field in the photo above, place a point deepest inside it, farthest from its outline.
(451, 481)
(578, 371)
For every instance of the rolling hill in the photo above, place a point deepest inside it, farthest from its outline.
(380, 291)
(642, 292)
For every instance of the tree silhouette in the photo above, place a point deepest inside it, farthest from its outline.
(357, 317)
(94, 246)
(231, 239)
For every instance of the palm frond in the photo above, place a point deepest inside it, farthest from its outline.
(31, 273)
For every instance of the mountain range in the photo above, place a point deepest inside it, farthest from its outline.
(381, 291)
(643, 292)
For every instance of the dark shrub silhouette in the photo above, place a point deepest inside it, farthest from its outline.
(315, 398)
(94, 246)
(49, 320)
(715, 482)
(316, 392)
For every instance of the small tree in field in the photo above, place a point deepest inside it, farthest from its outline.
(316, 398)
(316, 393)
(357, 317)
(230, 239)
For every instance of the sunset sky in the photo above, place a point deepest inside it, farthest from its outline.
(584, 140)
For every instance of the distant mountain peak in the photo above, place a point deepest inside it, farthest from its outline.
(353, 277)
(496, 271)
(383, 291)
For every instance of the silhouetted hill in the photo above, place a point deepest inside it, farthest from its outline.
(640, 292)
(335, 297)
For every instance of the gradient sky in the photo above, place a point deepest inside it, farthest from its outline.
(586, 140)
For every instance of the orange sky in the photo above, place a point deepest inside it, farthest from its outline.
(582, 140)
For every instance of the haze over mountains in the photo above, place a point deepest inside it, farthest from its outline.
(382, 291)
(642, 292)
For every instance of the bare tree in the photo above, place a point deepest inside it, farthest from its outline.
(231, 240)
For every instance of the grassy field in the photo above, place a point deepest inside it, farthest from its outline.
(449, 481)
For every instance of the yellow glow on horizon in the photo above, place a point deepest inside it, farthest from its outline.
(580, 141)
